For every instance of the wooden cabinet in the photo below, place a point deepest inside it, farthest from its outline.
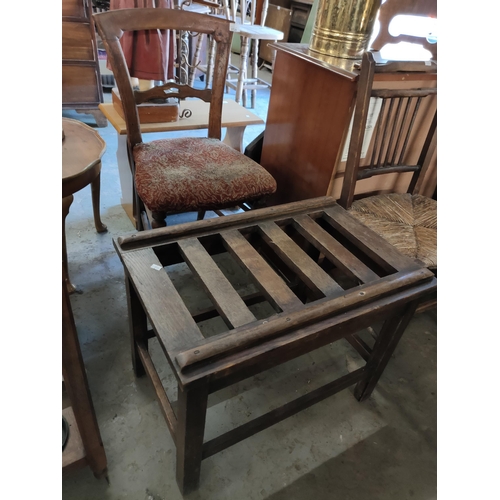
(310, 109)
(300, 14)
(81, 78)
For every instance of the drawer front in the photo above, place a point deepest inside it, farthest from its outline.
(77, 43)
(79, 84)
(74, 8)
(300, 16)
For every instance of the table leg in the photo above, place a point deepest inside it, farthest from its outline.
(191, 415)
(385, 345)
(234, 138)
(96, 198)
(66, 203)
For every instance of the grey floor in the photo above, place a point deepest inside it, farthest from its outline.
(382, 449)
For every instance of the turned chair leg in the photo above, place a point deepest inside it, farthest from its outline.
(196, 59)
(242, 74)
(210, 62)
(255, 70)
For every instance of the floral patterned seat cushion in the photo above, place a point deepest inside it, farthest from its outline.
(196, 173)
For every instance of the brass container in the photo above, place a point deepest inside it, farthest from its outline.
(342, 28)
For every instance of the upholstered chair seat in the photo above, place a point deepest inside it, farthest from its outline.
(193, 173)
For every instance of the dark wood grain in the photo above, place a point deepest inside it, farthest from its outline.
(205, 365)
(314, 277)
(171, 319)
(225, 298)
(271, 285)
(334, 250)
(76, 384)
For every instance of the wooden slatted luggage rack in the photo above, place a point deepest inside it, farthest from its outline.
(325, 276)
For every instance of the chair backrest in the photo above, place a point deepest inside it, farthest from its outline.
(250, 11)
(111, 26)
(400, 110)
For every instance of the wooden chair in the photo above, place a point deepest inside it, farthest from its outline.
(250, 27)
(182, 174)
(407, 220)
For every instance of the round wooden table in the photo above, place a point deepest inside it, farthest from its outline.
(82, 150)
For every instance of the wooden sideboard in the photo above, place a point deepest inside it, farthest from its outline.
(309, 114)
(81, 78)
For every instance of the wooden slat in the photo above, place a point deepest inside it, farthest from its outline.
(164, 235)
(367, 240)
(271, 285)
(360, 345)
(273, 417)
(170, 318)
(237, 340)
(308, 271)
(225, 371)
(334, 250)
(225, 298)
(161, 396)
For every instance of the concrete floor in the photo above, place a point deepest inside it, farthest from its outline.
(384, 448)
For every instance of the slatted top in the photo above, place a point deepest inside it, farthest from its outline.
(306, 262)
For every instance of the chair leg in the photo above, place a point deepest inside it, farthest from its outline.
(138, 327)
(384, 347)
(210, 63)
(191, 416)
(255, 70)
(159, 219)
(196, 59)
(242, 75)
(201, 214)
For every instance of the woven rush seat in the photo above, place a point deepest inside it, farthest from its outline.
(192, 172)
(408, 222)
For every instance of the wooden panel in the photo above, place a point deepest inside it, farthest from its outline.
(226, 300)
(308, 112)
(74, 8)
(77, 41)
(79, 84)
